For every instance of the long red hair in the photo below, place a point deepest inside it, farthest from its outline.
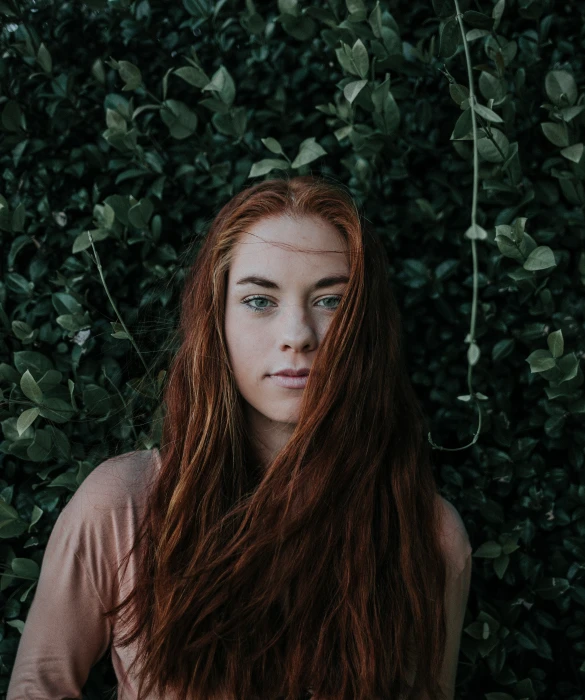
(240, 595)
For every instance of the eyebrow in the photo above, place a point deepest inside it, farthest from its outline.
(269, 284)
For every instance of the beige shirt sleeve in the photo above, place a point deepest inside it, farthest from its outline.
(459, 551)
(64, 634)
(456, 603)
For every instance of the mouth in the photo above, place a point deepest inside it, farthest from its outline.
(289, 381)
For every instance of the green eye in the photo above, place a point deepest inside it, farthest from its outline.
(247, 302)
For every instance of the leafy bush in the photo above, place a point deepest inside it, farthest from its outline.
(127, 125)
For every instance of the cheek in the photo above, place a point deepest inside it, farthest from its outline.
(245, 348)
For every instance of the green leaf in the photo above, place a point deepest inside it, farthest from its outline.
(540, 361)
(12, 528)
(130, 74)
(488, 550)
(7, 512)
(577, 406)
(194, 75)
(26, 419)
(476, 232)
(473, 354)
(561, 88)
(120, 204)
(35, 516)
(573, 153)
(6, 11)
(44, 58)
(82, 241)
(104, 217)
(56, 410)
(540, 258)
(519, 275)
(494, 150)
(265, 166)
(501, 564)
(25, 568)
(556, 133)
(449, 37)
(302, 27)
(272, 145)
(474, 34)
(36, 362)
(67, 480)
(360, 58)
(12, 116)
(392, 41)
(509, 243)
(550, 588)
(139, 215)
(487, 113)
(309, 151)
(18, 217)
(96, 400)
(231, 124)
(459, 93)
(197, 8)
(387, 115)
(39, 450)
(356, 7)
(22, 331)
(497, 12)
(30, 388)
(569, 366)
(74, 322)
(116, 121)
(556, 343)
(97, 70)
(444, 8)
(343, 132)
(180, 120)
(478, 19)
(353, 89)
(345, 58)
(502, 349)
(288, 7)
(463, 126)
(223, 85)
(492, 87)
(569, 113)
(375, 20)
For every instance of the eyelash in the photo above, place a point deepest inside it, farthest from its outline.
(265, 308)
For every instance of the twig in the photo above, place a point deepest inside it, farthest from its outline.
(130, 337)
(471, 336)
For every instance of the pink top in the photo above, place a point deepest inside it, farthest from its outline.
(64, 634)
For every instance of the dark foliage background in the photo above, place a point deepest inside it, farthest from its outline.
(136, 121)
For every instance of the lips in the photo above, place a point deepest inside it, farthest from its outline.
(290, 382)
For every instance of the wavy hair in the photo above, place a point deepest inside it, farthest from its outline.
(240, 594)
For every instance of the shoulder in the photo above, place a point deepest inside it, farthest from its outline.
(119, 480)
(109, 497)
(454, 535)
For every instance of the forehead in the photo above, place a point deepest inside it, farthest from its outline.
(286, 244)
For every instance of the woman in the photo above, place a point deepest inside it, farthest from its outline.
(288, 540)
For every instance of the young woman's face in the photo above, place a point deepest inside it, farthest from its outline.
(278, 320)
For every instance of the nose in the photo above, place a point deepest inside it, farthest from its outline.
(298, 330)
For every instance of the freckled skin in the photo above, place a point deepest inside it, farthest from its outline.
(289, 324)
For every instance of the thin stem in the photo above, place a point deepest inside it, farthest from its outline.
(471, 336)
(112, 302)
(122, 400)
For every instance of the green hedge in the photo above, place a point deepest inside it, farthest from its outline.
(127, 125)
